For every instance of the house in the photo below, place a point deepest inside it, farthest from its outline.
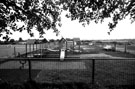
(62, 40)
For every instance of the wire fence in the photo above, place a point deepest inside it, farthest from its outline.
(101, 71)
(7, 51)
(126, 48)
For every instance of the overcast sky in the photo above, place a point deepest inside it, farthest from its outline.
(71, 29)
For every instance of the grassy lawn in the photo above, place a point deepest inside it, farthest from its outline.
(16, 75)
(107, 72)
(64, 76)
(114, 72)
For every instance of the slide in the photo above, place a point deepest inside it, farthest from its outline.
(62, 54)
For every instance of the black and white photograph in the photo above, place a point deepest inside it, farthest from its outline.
(67, 44)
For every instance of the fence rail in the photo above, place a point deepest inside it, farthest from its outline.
(65, 59)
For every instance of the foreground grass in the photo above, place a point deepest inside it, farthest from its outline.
(35, 85)
(64, 76)
(72, 85)
(112, 74)
(17, 75)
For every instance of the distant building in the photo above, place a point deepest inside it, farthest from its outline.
(69, 44)
(76, 41)
(62, 43)
(62, 40)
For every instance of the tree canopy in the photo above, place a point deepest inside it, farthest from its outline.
(44, 40)
(97, 10)
(41, 14)
(45, 14)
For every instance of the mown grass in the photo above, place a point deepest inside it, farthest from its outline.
(115, 72)
(17, 75)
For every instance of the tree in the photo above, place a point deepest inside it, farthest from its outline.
(97, 10)
(37, 41)
(12, 41)
(33, 13)
(1, 42)
(51, 40)
(44, 40)
(20, 39)
(6, 39)
(45, 14)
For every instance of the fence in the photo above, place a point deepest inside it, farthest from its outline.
(126, 48)
(13, 50)
(102, 71)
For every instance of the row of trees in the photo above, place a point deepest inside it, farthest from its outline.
(12, 41)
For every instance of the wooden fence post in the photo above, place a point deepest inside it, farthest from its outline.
(26, 50)
(30, 49)
(14, 51)
(125, 48)
(36, 46)
(33, 47)
(79, 46)
(66, 49)
(115, 45)
(41, 49)
(66, 45)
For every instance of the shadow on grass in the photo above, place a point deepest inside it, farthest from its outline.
(71, 85)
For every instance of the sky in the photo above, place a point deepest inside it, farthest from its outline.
(73, 29)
